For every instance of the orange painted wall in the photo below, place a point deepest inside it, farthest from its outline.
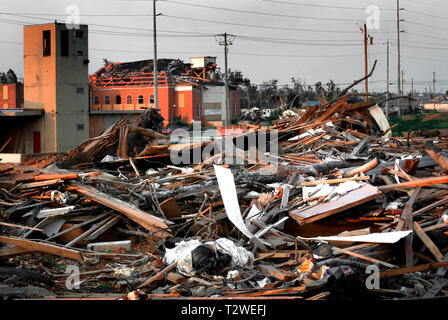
(11, 96)
(168, 97)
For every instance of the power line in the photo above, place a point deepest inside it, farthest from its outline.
(425, 14)
(260, 26)
(265, 14)
(320, 6)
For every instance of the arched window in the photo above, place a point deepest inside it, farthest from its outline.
(117, 99)
(129, 99)
(96, 100)
(140, 99)
(151, 99)
(106, 100)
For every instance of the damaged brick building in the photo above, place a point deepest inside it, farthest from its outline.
(185, 90)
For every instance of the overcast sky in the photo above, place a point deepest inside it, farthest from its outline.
(275, 39)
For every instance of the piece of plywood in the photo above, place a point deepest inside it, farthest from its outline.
(322, 210)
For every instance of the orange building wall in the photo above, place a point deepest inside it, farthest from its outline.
(11, 96)
(168, 97)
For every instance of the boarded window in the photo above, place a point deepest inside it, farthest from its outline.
(129, 100)
(151, 99)
(5, 92)
(80, 90)
(80, 127)
(64, 43)
(181, 103)
(106, 100)
(140, 99)
(117, 99)
(96, 100)
(46, 43)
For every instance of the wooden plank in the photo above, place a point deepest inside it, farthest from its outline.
(103, 229)
(415, 183)
(351, 199)
(406, 219)
(331, 110)
(442, 271)
(439, 285)
(62, 176)
(278, 274)
(43, 247)
(176, 278)
(6, 253)
(158, 276)
(270, 292)
(19, 226)
(419, 268)
(334, 181)
(146, 220)
(431, 206)
(40, 184)
(370, 259)
(428, 242)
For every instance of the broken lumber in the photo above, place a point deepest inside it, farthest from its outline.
(415, 183)
(428, 242)
(146, 220)
(43, 247)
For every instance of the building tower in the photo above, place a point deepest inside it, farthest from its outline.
(56, 81)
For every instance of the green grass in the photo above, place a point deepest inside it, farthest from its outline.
(416, 124)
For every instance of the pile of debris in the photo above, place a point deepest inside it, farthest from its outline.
(344, 211)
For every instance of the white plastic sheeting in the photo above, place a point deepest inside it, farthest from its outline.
(181, 254)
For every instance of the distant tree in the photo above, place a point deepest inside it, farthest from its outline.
(2, 77)
(11, 76)
(319, 89)
(332, 90)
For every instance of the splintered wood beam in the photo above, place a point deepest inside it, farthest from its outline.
(364, 168)
(43, 247)
(63, 176)
(269, 292)
(332, 110)
(415, 183)
(158, 276)
(18, 226)
(333, 181)
(154, 224)
(40, 184)
(360, 256)
(419, 268)
(428, 242)
(274, 272)
(407, 221)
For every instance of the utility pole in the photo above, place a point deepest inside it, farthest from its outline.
(400, 113)
(402, 81)
(412, 87)
(226, 40)
(365, 63)
(434, 83)
(387, 85)
(155, 68)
